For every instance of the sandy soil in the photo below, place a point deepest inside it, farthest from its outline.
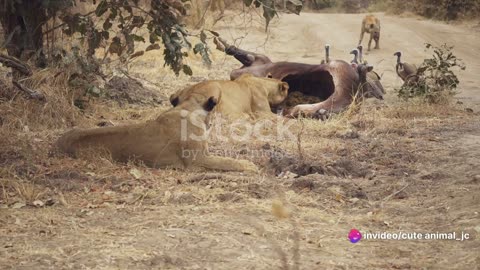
(394, 167)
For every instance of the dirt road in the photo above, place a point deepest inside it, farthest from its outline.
(302, 39)
(391, 168)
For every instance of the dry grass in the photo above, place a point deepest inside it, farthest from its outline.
(395, 166)
(92, 188)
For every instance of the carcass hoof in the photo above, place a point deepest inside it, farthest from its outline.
(321, 114)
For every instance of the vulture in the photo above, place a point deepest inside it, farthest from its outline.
(327, 55)
(407, 72)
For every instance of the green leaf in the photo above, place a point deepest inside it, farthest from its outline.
(106, 35)
(198, 48)
(107, 24)
(202, 49)
(187, 70)
(137, 38)
(153, 38)
(268, 11)
(138, 21)
(116, 46)
(152, 47)
(203, 37)
(113, 13)
(101, 8)
(294, 6)
(128, 8)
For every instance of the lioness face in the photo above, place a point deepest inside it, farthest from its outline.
(279, 94)
(191, 97)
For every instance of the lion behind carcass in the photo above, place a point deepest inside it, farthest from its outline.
(245, 96)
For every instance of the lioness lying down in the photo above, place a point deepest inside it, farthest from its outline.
(246, 95)
(176, 138)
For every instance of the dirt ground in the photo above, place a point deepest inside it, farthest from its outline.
(392, 167)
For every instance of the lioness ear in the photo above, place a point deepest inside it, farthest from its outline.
(283, 87)
(210, 104)
(174, 100)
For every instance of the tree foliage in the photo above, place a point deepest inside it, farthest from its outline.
(436, 76)
(118, 24)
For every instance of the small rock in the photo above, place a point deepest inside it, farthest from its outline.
(94, 91)
(18, 205)
(353, 200)
(84, 213)
(476, 178)
(350, 134)
(137, 174)
(109, 193)
(38, 203)
(469, 110)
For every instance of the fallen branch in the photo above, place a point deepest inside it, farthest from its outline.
(13, 62)
(394, 194)
(221, 44)
(214, 176)
(31, 93)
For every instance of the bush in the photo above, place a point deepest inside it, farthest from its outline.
(438, 9)
(320, 4)
(436, 78)
(354, 6)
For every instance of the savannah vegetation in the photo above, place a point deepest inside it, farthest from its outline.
(403, 164)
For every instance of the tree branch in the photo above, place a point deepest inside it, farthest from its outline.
(13, 62)
(31, 93)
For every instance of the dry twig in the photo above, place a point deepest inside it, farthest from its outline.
(13, 62)
(31, 93)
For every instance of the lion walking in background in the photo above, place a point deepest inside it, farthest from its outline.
(371, 25)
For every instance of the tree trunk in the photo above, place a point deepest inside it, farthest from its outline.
(22, 23)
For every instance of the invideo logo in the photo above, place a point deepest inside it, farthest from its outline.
(354, 235)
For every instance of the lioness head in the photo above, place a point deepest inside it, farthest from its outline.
(276, 89)
(192, 97)
(277, 97)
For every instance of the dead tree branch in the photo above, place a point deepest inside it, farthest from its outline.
(31, 93)
(13, 62)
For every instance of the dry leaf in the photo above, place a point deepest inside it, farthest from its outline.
(137, 174)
